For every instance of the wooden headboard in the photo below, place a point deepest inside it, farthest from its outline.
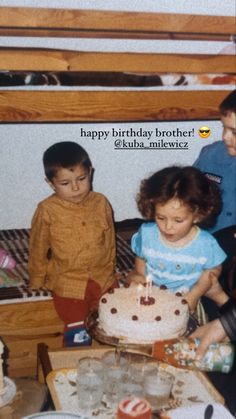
(144, 104)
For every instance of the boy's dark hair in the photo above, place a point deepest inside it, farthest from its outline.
(64, 155)
(189, 185)
(228, 104)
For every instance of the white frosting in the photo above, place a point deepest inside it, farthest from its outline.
(137, 323)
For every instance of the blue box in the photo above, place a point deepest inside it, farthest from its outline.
(76, 335)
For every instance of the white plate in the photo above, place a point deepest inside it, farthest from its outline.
(9, 392)
(55, 415)
(219, 412)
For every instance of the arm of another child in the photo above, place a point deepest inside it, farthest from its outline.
(203, 286)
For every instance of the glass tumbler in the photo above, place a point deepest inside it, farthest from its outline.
(116, 358)
(114, 379)
(90, 364)
(89, 391)
(157, 388)
(142, 367)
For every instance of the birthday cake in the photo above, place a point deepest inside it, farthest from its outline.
(136, 317)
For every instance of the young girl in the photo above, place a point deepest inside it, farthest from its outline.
(173, 250)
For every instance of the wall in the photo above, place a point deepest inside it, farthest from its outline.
(117, 172)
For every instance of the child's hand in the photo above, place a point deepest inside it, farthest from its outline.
(135, 278)
(215, 292)
(209, 333)
(192, 301)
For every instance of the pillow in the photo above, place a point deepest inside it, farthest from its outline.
(9, 279)
(6, 260)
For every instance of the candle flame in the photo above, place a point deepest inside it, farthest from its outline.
(148, 278)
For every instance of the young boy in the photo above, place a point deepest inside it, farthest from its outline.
(72, 240)
(218, 162)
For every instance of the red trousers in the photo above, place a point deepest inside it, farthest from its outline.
(72, 310)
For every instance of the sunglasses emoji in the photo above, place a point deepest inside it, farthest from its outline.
(204, 132)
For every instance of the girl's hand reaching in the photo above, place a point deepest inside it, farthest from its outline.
(136, 278)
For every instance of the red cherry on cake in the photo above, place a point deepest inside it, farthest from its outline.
(158, 318)
(178, 294)
(134, 317)
(177, 312)
(163, 287)
(113, 310)
(104, 300)
(111, 291)
(183, 301)
(147, 301)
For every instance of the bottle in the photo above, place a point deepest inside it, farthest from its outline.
(181, 354)
(134, 407)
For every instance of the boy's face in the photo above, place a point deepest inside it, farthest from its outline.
(229, 132)
(72, 184)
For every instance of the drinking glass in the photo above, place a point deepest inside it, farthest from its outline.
(157, 388)
(142, 367)
(89, 391)
(90, 364)
(114, 379)
(115, 358)
(131, 388)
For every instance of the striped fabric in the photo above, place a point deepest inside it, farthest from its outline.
(16, 242)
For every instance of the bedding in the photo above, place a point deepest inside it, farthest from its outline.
(9, 279)
(106, 78)
(16, 242)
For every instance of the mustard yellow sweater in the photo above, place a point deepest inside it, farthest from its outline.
(81, 241)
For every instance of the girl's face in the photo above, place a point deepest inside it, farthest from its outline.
(175, 220)
(72, 184)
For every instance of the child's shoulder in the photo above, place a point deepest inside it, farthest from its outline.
(98, 197)
(214, 150)
(50, 200)
(205, 236)
(147, 227)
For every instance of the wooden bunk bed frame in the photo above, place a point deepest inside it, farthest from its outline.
(24, 325)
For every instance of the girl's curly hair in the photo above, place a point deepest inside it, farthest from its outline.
(189, 185)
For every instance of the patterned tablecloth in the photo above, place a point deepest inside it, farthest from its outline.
(191, 389)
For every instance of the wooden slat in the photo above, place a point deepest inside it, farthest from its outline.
(28, 59)
(26, 20)
(30, 320)
(114, 35)
(92, 106)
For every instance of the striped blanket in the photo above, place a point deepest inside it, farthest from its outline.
(17, 241)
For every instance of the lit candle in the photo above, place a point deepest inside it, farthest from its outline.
(146, 289)
(139, 293)
(149, 285)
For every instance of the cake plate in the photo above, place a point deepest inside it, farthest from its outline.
(148, 349)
